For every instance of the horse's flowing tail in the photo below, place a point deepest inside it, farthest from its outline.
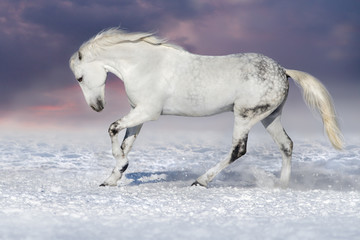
(317, 97)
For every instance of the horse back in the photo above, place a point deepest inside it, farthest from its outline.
(207, 85)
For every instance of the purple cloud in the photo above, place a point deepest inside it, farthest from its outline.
(38, 37)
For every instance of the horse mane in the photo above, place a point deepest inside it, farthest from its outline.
(113, 36)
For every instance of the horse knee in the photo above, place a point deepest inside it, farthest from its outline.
(113, 129)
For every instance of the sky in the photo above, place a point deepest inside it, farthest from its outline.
(37, 38)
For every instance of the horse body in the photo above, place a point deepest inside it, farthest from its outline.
(163, 79)
(210, 85)
(193, 85)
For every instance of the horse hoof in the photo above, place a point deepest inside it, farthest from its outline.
(110, 184)
(197, 184)
(105, 184)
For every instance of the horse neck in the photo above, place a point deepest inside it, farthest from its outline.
(124, 59)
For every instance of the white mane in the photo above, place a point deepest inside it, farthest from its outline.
(114, 36)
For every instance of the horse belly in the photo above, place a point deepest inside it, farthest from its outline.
(199, 103)
(195, 111)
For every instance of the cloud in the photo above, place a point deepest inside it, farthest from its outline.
(64, 108)
(38, 37)
(344, 36)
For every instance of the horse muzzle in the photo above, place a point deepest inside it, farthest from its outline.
(98, 106)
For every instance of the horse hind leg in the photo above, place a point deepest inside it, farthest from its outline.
(273, 125)
(242, 127)
(236, 152)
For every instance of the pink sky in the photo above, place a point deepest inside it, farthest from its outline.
(38, 37)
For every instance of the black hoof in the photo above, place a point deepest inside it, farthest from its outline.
(197, 184)
(103, 185)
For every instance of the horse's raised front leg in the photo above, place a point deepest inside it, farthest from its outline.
(120, 154)
(133, 122)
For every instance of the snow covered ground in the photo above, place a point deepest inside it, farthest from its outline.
(49, 189)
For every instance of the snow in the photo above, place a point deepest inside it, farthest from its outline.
(49, 189)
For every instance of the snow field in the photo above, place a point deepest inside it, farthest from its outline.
(49, 190)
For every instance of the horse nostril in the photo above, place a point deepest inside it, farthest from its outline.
(80, 79)
(100, 104)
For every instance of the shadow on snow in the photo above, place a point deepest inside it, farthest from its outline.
(304, 178)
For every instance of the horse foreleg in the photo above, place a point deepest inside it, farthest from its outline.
(120, 154)
(133, 122)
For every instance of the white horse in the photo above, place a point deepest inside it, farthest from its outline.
(161, 78)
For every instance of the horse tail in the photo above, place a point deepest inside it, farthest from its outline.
(317, 97)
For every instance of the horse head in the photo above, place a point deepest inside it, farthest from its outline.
(91, 76)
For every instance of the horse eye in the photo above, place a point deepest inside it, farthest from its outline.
(80, 79)
(80, 56)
